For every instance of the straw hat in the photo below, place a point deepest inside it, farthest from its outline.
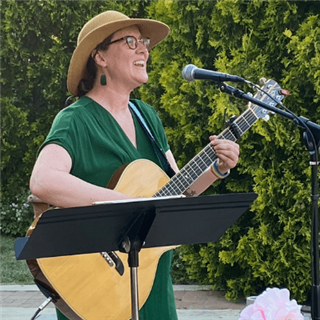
(99, 28)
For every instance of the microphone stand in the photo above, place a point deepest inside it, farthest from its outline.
(311, 138)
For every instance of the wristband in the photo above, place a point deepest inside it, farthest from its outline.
(215, 170)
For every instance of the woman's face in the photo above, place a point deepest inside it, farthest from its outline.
(126, 68)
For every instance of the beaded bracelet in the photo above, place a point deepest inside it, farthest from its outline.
(215, 170)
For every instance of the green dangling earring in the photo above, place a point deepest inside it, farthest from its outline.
(103, 80)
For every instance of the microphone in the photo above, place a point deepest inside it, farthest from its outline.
(191, 73)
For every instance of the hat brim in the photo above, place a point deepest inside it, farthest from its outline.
(152, 29)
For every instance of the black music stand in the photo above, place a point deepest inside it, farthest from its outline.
(128, 226)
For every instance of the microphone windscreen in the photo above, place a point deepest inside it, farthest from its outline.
(187, 72)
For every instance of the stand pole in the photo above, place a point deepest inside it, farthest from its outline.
(315, 299)
(134, 293)
(133, 261)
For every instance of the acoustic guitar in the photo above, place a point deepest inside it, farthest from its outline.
(87, 286)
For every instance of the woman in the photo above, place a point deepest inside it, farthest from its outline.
(99, 133)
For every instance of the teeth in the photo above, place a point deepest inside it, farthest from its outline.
(139, 63)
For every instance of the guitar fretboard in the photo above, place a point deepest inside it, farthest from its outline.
(181, 182)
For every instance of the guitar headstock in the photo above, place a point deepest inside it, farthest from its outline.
(275, 91)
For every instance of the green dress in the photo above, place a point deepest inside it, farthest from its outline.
(98, 146)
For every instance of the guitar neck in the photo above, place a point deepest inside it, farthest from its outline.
(181, 182)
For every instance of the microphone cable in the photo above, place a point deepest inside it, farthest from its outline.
(44, 304)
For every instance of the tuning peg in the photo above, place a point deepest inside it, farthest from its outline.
(285, 92)
(263, 80)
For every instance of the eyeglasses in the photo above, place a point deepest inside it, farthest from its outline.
(132, 42)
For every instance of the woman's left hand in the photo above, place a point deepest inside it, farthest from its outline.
(227, 152)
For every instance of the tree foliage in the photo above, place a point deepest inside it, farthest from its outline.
(270, 244)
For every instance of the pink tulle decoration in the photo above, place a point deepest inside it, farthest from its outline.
(272, 304)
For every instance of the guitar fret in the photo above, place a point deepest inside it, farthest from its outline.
(194, 167)
(171, 190)
(181, 177)
(253, 118)
(192, 172)
(208, 160)
(187, 177)
(245, 120)
(239, 128)
(243, 124)
(200, 157)
(184, 177)
(210, 150)
(161, 193)
(199, 162)
(178, 183)
(197, 170)
(228, 135)
(250, 121)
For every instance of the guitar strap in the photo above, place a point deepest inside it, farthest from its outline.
(160, 154)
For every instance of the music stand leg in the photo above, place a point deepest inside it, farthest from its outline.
(133, 261)
(134, 293)
(131, 243)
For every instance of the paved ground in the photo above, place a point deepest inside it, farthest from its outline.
(201, 297)
(193, 303)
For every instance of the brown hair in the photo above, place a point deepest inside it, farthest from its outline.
(86, 84)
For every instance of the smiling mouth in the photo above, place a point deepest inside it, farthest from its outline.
(139, 63)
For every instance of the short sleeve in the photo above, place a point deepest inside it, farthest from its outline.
(64, 132)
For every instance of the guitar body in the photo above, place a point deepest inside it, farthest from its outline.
(88, 288)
